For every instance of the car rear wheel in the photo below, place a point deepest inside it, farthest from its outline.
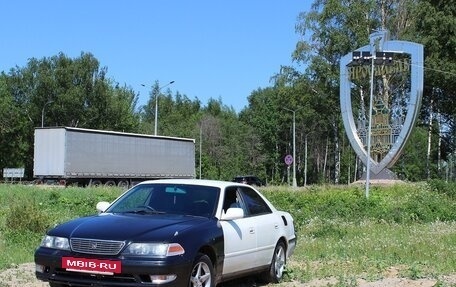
(277, 267)
(203, 274)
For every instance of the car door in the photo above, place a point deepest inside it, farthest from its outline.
(240, 236)
(266, 225)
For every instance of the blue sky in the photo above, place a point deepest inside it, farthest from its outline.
(211, 49)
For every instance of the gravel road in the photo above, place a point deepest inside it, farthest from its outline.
(23, 276)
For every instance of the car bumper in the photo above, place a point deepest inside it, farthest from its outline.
(135, 272)
(291, 246)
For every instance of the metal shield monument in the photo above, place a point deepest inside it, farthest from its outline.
(381, 88)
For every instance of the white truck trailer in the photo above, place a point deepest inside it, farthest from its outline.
(87, 157)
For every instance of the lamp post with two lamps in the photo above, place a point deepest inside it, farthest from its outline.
(156, 105)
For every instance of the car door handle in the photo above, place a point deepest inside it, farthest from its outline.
(276, 226)
(252, 230)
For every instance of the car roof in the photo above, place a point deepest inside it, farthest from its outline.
(206, 182)
(254, 177)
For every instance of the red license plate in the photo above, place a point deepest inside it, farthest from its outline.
(95, 266)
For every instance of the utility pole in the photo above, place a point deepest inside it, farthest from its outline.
(156, 105)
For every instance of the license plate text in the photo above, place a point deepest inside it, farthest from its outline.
(96, 266)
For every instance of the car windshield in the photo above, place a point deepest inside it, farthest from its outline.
(185, 199)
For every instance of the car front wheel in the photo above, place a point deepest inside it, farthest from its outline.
(277, 267)
(202, 272)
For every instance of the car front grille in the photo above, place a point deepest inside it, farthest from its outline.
(99, 247)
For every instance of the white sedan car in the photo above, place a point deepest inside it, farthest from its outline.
(176, 232)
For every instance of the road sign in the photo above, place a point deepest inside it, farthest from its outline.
(13, 172)
(288, 159)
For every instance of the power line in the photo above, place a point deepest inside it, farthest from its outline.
(430, 69)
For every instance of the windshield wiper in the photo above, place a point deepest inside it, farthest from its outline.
(144, 209)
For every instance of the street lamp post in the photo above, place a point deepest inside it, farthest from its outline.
(200, 148)
(42, 112)
(295, 184)
(156, 105)
(369, 129)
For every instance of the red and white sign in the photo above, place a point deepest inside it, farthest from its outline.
(288, 159)
(95, 266)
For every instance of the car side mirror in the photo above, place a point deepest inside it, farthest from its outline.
(102, 206)
(233, 213)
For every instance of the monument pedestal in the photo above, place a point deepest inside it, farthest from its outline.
(385, 176)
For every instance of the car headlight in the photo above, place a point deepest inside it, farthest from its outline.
(154, 249)
(55, 242)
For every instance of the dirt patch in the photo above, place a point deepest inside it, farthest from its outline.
(23, 275)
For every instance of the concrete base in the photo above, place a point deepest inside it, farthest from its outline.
(386, 176)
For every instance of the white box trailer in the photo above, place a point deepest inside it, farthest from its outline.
(94, 157)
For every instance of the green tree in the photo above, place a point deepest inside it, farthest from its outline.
(217, 129)
(178, 115)
(14, 144)
(60, 91)
(121, 114)
(412, 164)
(263, 115)
(436, 31)
(71, 92)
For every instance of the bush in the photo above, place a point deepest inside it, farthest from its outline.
(443, 187)
(27, 216)
(407, 203)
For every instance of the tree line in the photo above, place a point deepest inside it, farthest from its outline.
(77, 92)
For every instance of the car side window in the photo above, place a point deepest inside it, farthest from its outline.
(202, 200)
(231, 198)
(253, 202)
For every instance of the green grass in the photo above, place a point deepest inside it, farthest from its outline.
(341, 233)
(368, 249)
(26, 212)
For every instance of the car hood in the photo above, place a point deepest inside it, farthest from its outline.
(107, 226)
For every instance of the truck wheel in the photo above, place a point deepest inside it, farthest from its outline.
(277, 267)
(110, 183)
(203, 274)
(95, 183)
(123, 184)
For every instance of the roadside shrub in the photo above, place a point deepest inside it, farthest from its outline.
(427, 206)
(27, 216)
(443, 187)
(81, 202)
(393, 204)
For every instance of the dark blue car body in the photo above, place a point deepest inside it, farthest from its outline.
(193, 233)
